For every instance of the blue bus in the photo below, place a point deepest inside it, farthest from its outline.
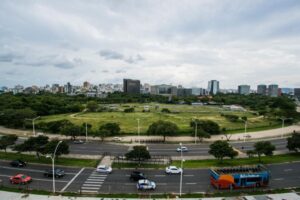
(239, 177)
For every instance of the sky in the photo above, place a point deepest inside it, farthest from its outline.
(175, 42)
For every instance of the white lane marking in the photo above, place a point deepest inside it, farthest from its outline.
(91, 187)
(28, 170)
(93, 182)
(188, 175)
(191, 183)
(127, 175)
(159, 175)
(95, 179)
(89, 191)
(97, 175)
(278, 179)
(39, 179)
(288, 170)
(71, 181)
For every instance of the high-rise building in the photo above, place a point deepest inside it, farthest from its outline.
(68, 88)
(183, 92)
(131, 86)
(262, 89)
(273, 90)
(198, 91)
(86, 84)
(166, 90)
(297, 93)
(244, 89)
(213, 87)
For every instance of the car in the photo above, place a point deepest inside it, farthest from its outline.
(18, 163)
(173, 170)
(136, 176)
(145, 184)
(78, 142)
(104, 169)
(20, 179)
(117, 139)
(183, 149)
(58, 173)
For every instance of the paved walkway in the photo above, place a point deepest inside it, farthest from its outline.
(272, 133)
(21, 196)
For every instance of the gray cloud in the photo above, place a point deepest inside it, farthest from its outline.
(111, 55)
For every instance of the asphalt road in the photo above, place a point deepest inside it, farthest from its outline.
(87, 180)
(200, 149)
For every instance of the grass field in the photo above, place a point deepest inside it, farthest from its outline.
(180, 115)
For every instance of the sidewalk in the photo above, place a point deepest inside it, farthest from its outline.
(22, 196)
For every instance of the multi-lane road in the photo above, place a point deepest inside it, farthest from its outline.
(200, 149)
(87, 180)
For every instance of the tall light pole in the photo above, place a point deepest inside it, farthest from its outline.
(196, 129)
(33, 127)
(138, 122)
(86, 132)
(53, 169)
(245, 129)
(283, 119)
(180, 184)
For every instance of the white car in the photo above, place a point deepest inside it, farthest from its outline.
(145, 184)
(104, 169)
(183, 149)
(173, 170)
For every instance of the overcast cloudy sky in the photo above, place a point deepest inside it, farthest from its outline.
(157, 41)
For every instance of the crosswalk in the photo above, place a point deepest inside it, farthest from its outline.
(93, 183)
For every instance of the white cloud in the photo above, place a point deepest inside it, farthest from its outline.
(180, 42)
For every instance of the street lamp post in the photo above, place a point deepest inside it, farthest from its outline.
(53, 169)
(33, 126)
(283, 119)
(86, 132)
(196, 129)
(182, 160)
(138, 121)
(245, 130)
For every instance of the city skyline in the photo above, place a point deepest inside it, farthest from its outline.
(234, 42)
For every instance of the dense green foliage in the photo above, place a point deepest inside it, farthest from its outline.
(293, 142)
(206, 127)
(138, 153)
(63, 148)
(108, 129)
(7, 140)
(263, 147)
(129, 110)
(92, 106)
(220, 149)
(163, 128)
(35, 144)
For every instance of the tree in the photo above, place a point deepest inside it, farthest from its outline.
(63, 148)
(165, 110)
(208, 126)
(163, 128)
(7, 140)
(200, 132)
(36, 144)
(138, 153)
(108, 129)
(220, 149)
(71, 130)
(293, 142)
(129, 110)
(263, 147)
(92, 106)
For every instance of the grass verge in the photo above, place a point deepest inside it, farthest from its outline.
(239, 161)
(43, 160)
(135, 165)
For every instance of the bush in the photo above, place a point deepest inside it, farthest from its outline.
(129, 110)
(232, 118)
(165, 110)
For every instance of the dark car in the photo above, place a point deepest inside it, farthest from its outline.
(136, 175)
(18, 163)
(58, 173)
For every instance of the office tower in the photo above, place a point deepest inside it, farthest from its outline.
(213, 87)
(273, 90)
(262, 89)
(244, 89)
(131, 86)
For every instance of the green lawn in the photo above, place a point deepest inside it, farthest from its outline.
(60, 161)
(181, 115)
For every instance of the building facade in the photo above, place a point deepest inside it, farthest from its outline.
(262, 89)
(297, 93)
(213, 87)
(273, 90)
(131, 86)
(244, 89)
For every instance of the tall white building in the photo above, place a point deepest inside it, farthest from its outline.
(213, 87)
